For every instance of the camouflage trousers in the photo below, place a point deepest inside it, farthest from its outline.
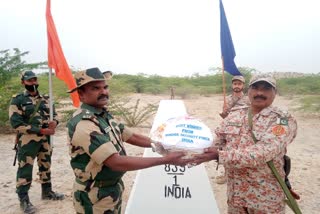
(244, 210)
(99, 200)
(30, 147)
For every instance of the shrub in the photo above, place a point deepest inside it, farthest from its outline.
(132, 115)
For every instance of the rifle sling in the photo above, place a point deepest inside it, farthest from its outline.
(35, 110)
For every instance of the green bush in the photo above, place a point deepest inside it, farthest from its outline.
(310, 104)
(299, 85)
(66, 115)
(132, 116)
(11, 66)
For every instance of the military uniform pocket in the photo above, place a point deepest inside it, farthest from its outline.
(28, 109)
(110, 196)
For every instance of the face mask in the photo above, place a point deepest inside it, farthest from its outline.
(31, 88)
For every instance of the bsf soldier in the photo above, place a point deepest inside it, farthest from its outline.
(98, 156)
(29, 116)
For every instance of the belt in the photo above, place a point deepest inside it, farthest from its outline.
(100, 184)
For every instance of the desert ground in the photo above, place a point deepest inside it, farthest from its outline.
(304, 152)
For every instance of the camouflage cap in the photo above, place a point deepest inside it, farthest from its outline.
(26, 75)
(263, 78)
(86, 76)
(241, 78)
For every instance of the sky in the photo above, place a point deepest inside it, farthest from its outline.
(167, 37)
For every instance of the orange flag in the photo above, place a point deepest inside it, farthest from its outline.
(56, 59)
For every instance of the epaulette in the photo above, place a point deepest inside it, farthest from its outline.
(280, 112)
(282, 116)
(46, 96)
(17, 95)
(87, 115)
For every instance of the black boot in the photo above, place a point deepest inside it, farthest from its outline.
(48, 194)
(25, 204)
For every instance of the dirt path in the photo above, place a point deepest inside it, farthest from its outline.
(304, 152)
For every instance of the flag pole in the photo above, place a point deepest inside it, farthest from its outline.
(50, 103)
(56, 59)
(223, 85)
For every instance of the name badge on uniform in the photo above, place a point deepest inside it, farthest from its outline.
(86, 116)
(282, 121)
(108, 129)
(234, 124)
(27, 103)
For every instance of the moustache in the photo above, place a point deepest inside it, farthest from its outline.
(103, 97)
(260, 97)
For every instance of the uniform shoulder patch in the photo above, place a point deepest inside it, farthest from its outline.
(278, 130)
(282, 121)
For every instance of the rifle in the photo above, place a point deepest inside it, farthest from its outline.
(16, 141)
(287, 169)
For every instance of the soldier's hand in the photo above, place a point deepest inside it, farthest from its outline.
(52, 124)
(225, 108)
(209, 154)
(157, 147)
(47, 131)
(223, 114)
(177, 158)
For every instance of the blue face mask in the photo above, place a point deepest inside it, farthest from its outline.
(31, 88)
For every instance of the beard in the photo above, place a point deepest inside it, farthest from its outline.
(237, 90)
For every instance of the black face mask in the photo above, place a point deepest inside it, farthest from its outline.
(31, 88)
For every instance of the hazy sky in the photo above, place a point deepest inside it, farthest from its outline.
(167, 37)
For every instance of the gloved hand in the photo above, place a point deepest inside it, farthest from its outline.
(47, 131)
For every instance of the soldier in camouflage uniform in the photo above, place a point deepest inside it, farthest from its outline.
(253, 136)
(234, 101)
(29, 116)
(237, 98)
(98, 156)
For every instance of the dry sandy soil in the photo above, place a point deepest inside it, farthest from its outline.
(305, 176)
